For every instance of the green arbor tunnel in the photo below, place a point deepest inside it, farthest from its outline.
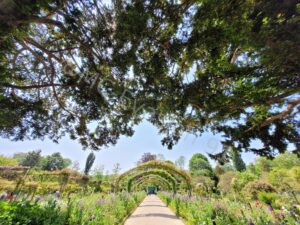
(156, 181)
(160, 174)
(164, 175)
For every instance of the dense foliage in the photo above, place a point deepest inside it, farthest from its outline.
(7, 161)
(280, 175)
(237, 160)
(223, 212)
(159, 175)
(55, 161)
(200, 166)
(231, 67)
(162, 169)
(32, 159)
(266, 192)
(77, 209)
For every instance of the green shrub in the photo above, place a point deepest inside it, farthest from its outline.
(27, 212)
(84, 208)
(7, 185)
(267, 198)
(7, 161)
(225, 181)
(10, 174)
(241, 180)
(254, 187)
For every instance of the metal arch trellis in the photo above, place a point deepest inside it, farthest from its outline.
(153, 180)
(159, 173)
(172, 169)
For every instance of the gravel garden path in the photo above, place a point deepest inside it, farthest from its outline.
(153, 211)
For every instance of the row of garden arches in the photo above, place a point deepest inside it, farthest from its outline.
(164, 175)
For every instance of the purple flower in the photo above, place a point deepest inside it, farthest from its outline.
(184, 198)
(3, 196)
(193, 199)
(270, 208)
(282, 215)
(101, 201)
(38, 199)
(251, 223)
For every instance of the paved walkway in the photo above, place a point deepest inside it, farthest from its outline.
(153, 211)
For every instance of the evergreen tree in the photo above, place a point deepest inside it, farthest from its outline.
(237, 160)
(89, 163)
(242, 56)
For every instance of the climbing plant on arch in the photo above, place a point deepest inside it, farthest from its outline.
(152, 180)
(168, 167)
(159, 173)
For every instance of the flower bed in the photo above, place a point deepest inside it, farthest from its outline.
(203, 211)
(76, 209)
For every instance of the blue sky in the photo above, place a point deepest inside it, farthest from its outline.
(127, 151)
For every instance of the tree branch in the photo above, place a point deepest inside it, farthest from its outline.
(291, 105)
(236, 54)
(39, 46)
(60, 103)
(44, 20)
(35, 86)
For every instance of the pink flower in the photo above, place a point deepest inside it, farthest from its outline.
(101, 201)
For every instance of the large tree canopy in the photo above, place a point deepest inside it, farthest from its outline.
(92, 71)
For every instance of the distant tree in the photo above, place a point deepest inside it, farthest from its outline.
(7, 161)
(89, 163)
(75, 165)
(98, 172)
(237, 160)
(200, 166)
(160, 157)
(55, 162)
(116, 169)
(146, 157)
(32, 159)
(20, 156)
(180, 162)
